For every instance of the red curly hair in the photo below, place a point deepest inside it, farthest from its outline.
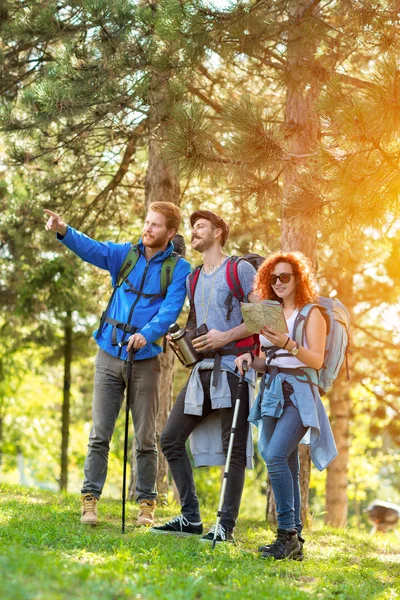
(306, 290)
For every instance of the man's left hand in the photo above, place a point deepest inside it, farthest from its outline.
(211, 340)
(136, 341)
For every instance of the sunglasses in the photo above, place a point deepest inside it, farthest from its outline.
(283, 277)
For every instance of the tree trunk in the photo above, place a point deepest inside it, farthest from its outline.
(301, 128)
(270, 512)
(66, 402)
(340, 411)
(337, 481)
(162, 184)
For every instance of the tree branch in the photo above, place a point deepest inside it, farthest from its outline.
(205, 98)
(123, 168)
(381, 398)
(374, 337)
(360, 83)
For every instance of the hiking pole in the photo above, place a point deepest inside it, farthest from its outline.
(241, 384)
(129, 362)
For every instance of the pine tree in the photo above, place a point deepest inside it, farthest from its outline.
(276, 143)
(88, 118)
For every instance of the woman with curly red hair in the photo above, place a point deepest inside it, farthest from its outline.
(288, 406)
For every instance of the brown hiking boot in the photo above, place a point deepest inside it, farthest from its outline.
(89, 510)
(146, 513)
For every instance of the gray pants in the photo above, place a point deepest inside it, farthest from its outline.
(109, 389)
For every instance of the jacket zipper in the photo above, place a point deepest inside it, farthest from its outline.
(134, 303)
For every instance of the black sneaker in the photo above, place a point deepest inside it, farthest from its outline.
(179, 526)
(223, 535)
(286, 545)
(298, 556)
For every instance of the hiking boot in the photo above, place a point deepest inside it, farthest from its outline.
(89, 510)
(298, 556)
(286, 545)
(223, 535)
(146, 513)
(179, 526)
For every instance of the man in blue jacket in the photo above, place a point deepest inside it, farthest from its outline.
(139, 313)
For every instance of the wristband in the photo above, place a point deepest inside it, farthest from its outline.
(287, 341)
(252, 356)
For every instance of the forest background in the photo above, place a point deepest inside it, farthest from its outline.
(283, 116)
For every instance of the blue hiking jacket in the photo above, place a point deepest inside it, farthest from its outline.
(152, 317)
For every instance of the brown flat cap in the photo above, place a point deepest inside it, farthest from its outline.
(215, 220)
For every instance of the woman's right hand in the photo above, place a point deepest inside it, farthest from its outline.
(240, 360)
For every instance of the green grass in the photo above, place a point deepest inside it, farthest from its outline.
(45, 554)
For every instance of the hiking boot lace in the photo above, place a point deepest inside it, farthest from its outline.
(147, 507)
(89, 503)
(278, 544)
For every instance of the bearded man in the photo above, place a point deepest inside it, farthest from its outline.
(139, 312)
(204, 408)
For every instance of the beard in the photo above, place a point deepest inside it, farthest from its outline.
(155, 241)
(202, 244)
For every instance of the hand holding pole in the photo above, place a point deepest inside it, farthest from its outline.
(129, 362)
(241, 383)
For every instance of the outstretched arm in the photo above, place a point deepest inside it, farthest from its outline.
(105, 255)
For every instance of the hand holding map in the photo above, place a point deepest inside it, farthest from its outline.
(268, 313)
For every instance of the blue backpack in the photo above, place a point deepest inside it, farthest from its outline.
(337, 318)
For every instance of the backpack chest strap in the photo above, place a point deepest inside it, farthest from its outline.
(125, 327)
(140, 293)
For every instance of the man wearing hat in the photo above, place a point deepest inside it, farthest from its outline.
(204, 408)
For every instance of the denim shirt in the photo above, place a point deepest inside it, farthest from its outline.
(306, 398)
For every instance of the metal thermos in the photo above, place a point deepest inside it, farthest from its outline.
(183, 346)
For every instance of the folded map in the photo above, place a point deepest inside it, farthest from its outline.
(268, 313)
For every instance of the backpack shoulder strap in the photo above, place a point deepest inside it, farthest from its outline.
(129, 263)
(167, 270)
(299, 327)
(232, 277)
(193, 279)
(233, 281)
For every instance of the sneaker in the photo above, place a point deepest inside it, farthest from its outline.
(89, 510)
(300, 554)
(223, 535)
(286, 545)
(146, 513)
(179, 526)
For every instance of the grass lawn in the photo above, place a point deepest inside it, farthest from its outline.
(45, 554)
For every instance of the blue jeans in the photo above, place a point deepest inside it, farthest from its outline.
(283, 437)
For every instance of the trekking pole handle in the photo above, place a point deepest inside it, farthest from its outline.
(245, 368)
(129, 362)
